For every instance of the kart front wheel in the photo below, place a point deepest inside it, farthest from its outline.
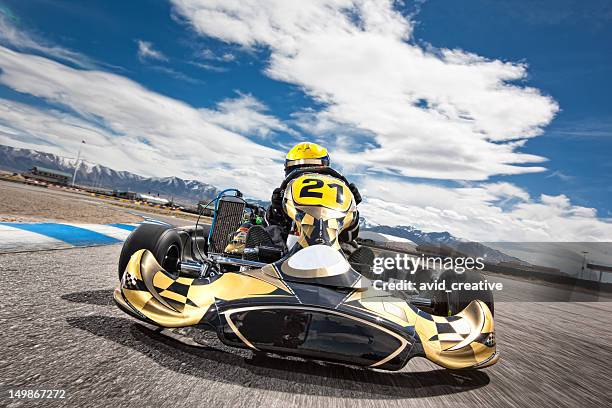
(163, 242)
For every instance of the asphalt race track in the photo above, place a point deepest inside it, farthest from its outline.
(60, 330)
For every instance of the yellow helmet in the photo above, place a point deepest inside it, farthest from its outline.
(306, 154)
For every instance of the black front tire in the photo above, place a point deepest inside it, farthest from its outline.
(163, 242)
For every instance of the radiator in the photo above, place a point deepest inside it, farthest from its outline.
(230, 212)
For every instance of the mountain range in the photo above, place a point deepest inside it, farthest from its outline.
(95, 175)
(191, 191)
(441, 239)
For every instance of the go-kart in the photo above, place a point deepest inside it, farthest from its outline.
(305, 300)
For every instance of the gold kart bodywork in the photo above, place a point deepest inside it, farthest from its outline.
(327, 300)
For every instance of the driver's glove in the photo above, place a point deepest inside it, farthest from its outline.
(277, 198)
(275, 214)
(355, 192)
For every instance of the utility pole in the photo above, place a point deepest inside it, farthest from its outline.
(76, 165)
(584, 264)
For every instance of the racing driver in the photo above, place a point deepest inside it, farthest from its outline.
(311, 156)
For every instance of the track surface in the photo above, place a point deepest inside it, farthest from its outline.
(27, 203)
(60, 330)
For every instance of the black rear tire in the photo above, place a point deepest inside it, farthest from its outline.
(163, 242)
(451, 303)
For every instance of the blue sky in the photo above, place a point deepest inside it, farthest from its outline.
(509, 127)
(567, 47)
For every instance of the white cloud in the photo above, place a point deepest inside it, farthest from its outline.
(403, 110)
(393, 107)
(559, 174)
(245, 115)
(213, 61)
(208, 67)
(127, 127)
(482, 212)
(211, 55)
(22, 40)
(444, 114)
(147, 51)
(176, 74)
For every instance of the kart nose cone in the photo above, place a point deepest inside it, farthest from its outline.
(316, 261)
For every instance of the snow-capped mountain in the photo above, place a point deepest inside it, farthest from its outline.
(419, 237)
(261, 203)
(365, 224)
(185, 191)
(415, 235)
(15, 159)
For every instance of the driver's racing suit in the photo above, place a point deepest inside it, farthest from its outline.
(278, 219)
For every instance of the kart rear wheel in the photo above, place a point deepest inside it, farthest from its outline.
(163, 242)
(453, 302)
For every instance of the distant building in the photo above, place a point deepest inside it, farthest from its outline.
(206, 207)
(152, 199)
(49, 175)
(147, 198)
(128, 195)
(603, 273)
